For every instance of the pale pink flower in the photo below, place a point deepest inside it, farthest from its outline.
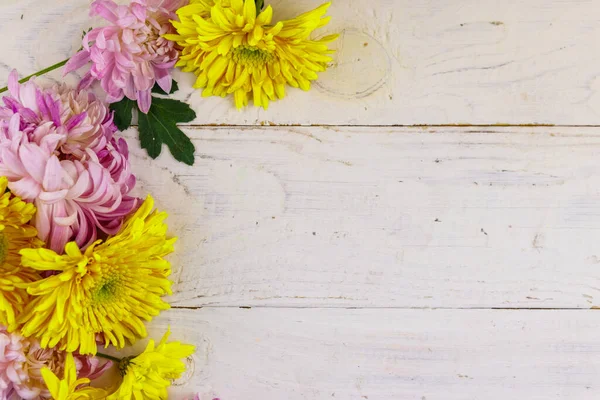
(81, 121)
(90, 122)
(58, 151)
(21, 361)
(130, 55)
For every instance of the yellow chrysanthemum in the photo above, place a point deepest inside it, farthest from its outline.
(15, 234)
(69, 387)
(105, 293)
(148, 375)
(233, 50)
(13, 297)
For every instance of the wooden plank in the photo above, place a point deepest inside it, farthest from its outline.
(401, 62)
(328, 354)
(384, 217)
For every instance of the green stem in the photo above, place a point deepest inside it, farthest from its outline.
(115, 359)
(42, 72)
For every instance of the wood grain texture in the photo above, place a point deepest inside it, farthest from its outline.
(371, 257)
(384, 217)
(329, 354)
(400, 62)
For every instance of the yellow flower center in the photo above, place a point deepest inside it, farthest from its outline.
(251, 56)
(3, 247)
(124, 364)
(106, 289)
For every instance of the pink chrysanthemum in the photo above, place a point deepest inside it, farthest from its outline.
(130, 55)
(58, 151)
(21, 361)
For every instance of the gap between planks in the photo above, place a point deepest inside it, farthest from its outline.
(388, 308)
(267, 124)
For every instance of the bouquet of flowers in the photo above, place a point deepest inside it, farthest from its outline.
(82, 260)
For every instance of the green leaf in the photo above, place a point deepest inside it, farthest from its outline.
(158, 90)
(156, 130)
(123, 113)
(159, 126)
(259, 5)
(149, 138)
(174, 110)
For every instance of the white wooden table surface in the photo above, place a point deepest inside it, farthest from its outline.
(423, 225)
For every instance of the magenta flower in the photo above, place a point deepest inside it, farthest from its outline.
(58, 151)
(130, 55)
(21, 361)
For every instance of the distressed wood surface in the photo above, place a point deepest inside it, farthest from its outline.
(374, 259)
(330, 354)
(384, 217)
(400, 62)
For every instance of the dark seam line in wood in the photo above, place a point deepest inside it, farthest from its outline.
(389, 126)
(391, 308)
(384, 126)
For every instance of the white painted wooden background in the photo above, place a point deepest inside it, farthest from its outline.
(360, 257)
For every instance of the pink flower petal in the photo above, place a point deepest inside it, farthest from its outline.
(75, 120)
(86, 234)
(127, 36)
(26, 188)
(59, 237)
(127, 21)
(101, 41)
(34, 160)
(11, 165)
(14, 124)
(53, 175)
(13, 83)
(43, 219)
(66, 221)
(164, 80)
(144, 99)
(86, 81)
(77, 61)
(139, 10)
(53, 109)
(28, 96)
(92, 367)
(105, 9)
(90, 37)
(81, 186)
(50, 141)
(53, 197)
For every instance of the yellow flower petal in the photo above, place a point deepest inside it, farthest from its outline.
(265, 16)
(70, 388)
(15, 234)
(148, 375)
(249, 12)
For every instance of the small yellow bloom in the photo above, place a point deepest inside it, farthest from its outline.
(232, 50)
(148, 375)
(15, 234)
(105, 293)
(69, 387)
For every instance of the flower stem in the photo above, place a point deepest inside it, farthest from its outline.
(115, 359)
(42, 72)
